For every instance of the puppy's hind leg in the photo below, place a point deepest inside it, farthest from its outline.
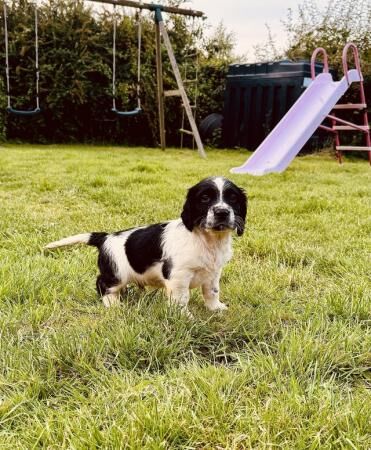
(109, 283)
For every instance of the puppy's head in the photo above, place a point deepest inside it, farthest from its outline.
(215, 204)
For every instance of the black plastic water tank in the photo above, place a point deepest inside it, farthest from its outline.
(257, 96)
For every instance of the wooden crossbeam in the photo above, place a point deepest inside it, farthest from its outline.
(182, 130)
(152, 7)
(172, 93)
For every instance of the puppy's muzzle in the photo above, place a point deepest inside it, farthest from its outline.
(222, 218)
(221, 214)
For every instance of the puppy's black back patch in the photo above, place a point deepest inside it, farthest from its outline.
(144, 247)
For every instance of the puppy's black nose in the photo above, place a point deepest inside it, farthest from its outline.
(221, 213)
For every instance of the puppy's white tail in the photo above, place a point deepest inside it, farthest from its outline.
(83, 238)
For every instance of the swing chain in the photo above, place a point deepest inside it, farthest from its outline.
(139, 40)
(7, 55)
(37, 56)
(7, 68)
(139, 30)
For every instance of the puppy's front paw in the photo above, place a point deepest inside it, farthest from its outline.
(111, 300)
(217, 306)
(186, 312)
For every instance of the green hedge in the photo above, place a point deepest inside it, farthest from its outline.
(75, 75)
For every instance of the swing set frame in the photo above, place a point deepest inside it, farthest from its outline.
(161, 32)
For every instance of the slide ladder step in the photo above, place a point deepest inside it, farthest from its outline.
(349, 128)
(353, 147)
(350, 106)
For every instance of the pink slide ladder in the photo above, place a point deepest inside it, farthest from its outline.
(289, 136)
(362, 106)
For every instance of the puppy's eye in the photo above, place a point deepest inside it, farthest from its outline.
(233, 198)
(204, 198)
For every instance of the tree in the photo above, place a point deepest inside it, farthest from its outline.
(331, 27)
(339, 22)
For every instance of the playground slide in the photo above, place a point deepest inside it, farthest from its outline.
(285, 141)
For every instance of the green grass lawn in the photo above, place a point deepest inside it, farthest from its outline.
(287, 366)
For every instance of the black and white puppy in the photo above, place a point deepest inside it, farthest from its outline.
(179, 255)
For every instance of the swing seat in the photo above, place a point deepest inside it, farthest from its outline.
(132, 113)
(9, 109)
(21, 112)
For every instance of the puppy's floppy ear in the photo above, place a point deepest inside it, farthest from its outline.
(240, 229)
(242, 203)
(187, 216)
